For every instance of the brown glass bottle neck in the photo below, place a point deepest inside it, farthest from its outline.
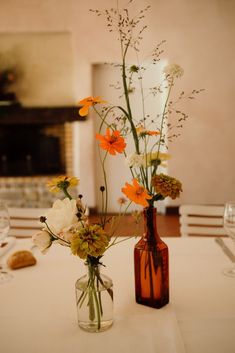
(150, 224)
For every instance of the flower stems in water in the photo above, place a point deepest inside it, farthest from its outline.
(91, 295)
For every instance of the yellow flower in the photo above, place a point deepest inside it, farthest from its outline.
(155, 158)
(167, 186)
(62, 182)
(87, 103)
(90, 240)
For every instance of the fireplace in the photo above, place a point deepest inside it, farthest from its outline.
(30, 149)
(35, 144)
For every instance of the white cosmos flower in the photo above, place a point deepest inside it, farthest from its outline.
(173, 70)
(42, 240)
(62, 216)
(134, 160)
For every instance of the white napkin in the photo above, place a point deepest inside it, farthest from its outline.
(10, 241)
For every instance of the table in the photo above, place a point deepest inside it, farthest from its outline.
(38, 314)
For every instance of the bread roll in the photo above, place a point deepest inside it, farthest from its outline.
(19, 259)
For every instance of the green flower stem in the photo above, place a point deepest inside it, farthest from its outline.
(104, 203)
(98, 311)
(120, 241)
(130, 119)
(103, 119)
(106, 186)
(94, 303)
(124, 152)
(102, 209)
(105, 206)
(99, 294)
(161, 131)
(120, 215)
(136, 141)
(102, 193)
(144, 178)
(163, 118)
(128, 114)
(109, 290)
(65, 191)
(143, 115)
(82, 299)
(91, 304)
(67, 243)
(133, 129)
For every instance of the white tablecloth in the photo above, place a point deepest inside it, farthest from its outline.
(38, 314)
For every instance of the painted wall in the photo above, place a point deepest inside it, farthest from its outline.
(45, 72)
(117, 172)
(200, 37)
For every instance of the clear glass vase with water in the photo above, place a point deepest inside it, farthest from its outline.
(94, 300)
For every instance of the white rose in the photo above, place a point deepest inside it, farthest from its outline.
(62, 215)
(42, 240)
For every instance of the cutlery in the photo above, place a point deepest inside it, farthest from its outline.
(225, 249)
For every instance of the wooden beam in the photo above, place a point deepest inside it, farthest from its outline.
(17, 114)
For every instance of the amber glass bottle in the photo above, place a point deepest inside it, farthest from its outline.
(151, 265)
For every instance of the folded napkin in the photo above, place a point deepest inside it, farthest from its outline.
(7, 245)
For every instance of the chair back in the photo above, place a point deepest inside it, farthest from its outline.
(24, 222)
(201, 220)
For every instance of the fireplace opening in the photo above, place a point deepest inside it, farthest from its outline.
(29, 150)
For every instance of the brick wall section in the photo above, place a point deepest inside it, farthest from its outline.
(68, 153)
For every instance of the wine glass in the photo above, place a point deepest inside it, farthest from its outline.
(229, 226)
(5, 276)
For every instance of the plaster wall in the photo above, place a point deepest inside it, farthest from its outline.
(200, 37)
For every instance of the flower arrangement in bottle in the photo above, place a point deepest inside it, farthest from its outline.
(147, 154)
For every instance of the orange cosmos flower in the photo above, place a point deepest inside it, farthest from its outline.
(137, 193)
(151, 132)
(141, 131)
(111, 143)
(87, 103)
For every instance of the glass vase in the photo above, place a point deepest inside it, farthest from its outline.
(94, 299)
(151, 265)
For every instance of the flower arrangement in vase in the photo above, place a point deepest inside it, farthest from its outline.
(67, 224)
